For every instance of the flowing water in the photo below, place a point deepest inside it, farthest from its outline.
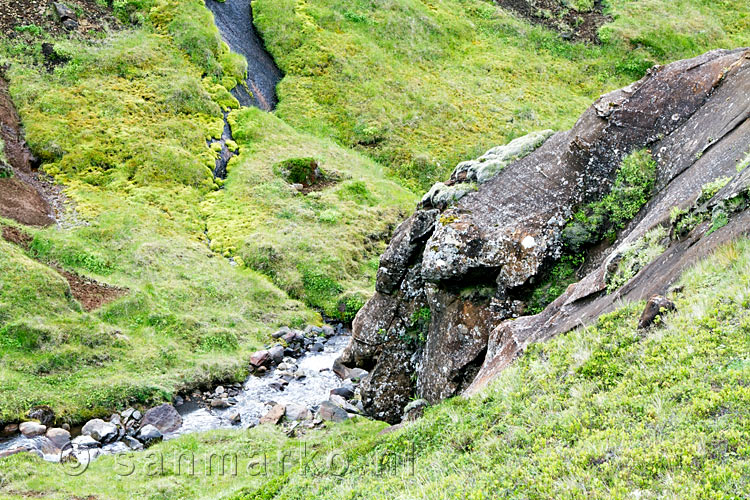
(258, 394)
(234, 18)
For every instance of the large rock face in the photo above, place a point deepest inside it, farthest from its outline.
(449, 293)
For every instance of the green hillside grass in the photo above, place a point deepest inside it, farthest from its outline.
(421, 85)
(123, 125)
(606, 411)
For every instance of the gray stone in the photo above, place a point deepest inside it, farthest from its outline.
(329, 411)
(32, 429)
(59, 437)
(98, 429)
(297, 412)
(344, 392)
(149, 434)
(132, 443)
(164, 417)
(414, 410)
(85, 442)
(43, 414)
(281, 332)
(219, 403)
(276, 353)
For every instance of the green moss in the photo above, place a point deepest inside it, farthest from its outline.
(603, 218)
(636, 257)
(563, 274)
(299, 170)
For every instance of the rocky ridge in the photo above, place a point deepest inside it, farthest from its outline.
(452, 287)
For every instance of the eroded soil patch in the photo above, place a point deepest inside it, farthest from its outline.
(575, 25)
(19, 16)
(89, 293)
(27, 196)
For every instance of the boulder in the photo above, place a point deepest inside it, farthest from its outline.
(63, 11)
(329, 411)
(414, 410)
(85, 442)
(32, 429)
(219, 403)
(281, 332)
(149, 434)
(344, 404)
(101, 431)
(10, 429)
(44, 414)
(164, 417)
(13, 451)
(59, 437)
(655, 307)
(132, 443)
(447, 314)
(260, 358)
(276, 353)
(297, 412)
(344, 392)
(274, 415)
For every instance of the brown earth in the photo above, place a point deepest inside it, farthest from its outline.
(17, 14)
(89, 293)
(573, 25)
(21, 197)
(20, 202)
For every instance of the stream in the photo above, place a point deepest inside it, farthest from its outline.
(234, 18)
(257, 395)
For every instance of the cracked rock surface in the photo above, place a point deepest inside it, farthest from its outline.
(447, 315)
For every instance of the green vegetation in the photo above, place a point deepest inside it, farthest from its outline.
(636, 257)
(298, 170)
(123, 125)
(317, 247)
(593, 223)
(605, 411)
(562, 275)
(420, 85)
(603, 218)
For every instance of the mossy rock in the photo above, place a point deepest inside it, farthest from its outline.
(303, 171)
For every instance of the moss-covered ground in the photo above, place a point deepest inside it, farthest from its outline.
(420, 85)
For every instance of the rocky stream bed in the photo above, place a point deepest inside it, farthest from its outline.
(293, 384)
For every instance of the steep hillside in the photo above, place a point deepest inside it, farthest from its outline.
(122, 125)
(422, 85)
(606, 411)
(163, 240)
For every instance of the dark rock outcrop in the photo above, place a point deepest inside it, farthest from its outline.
(655, 306)
(447, 315)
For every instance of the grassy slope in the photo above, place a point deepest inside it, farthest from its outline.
(421, 85)
(124, 125)
(323, 246)
(602, 412)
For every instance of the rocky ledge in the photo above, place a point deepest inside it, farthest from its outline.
(452, 306)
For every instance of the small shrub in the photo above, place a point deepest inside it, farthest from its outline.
(303, 171)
